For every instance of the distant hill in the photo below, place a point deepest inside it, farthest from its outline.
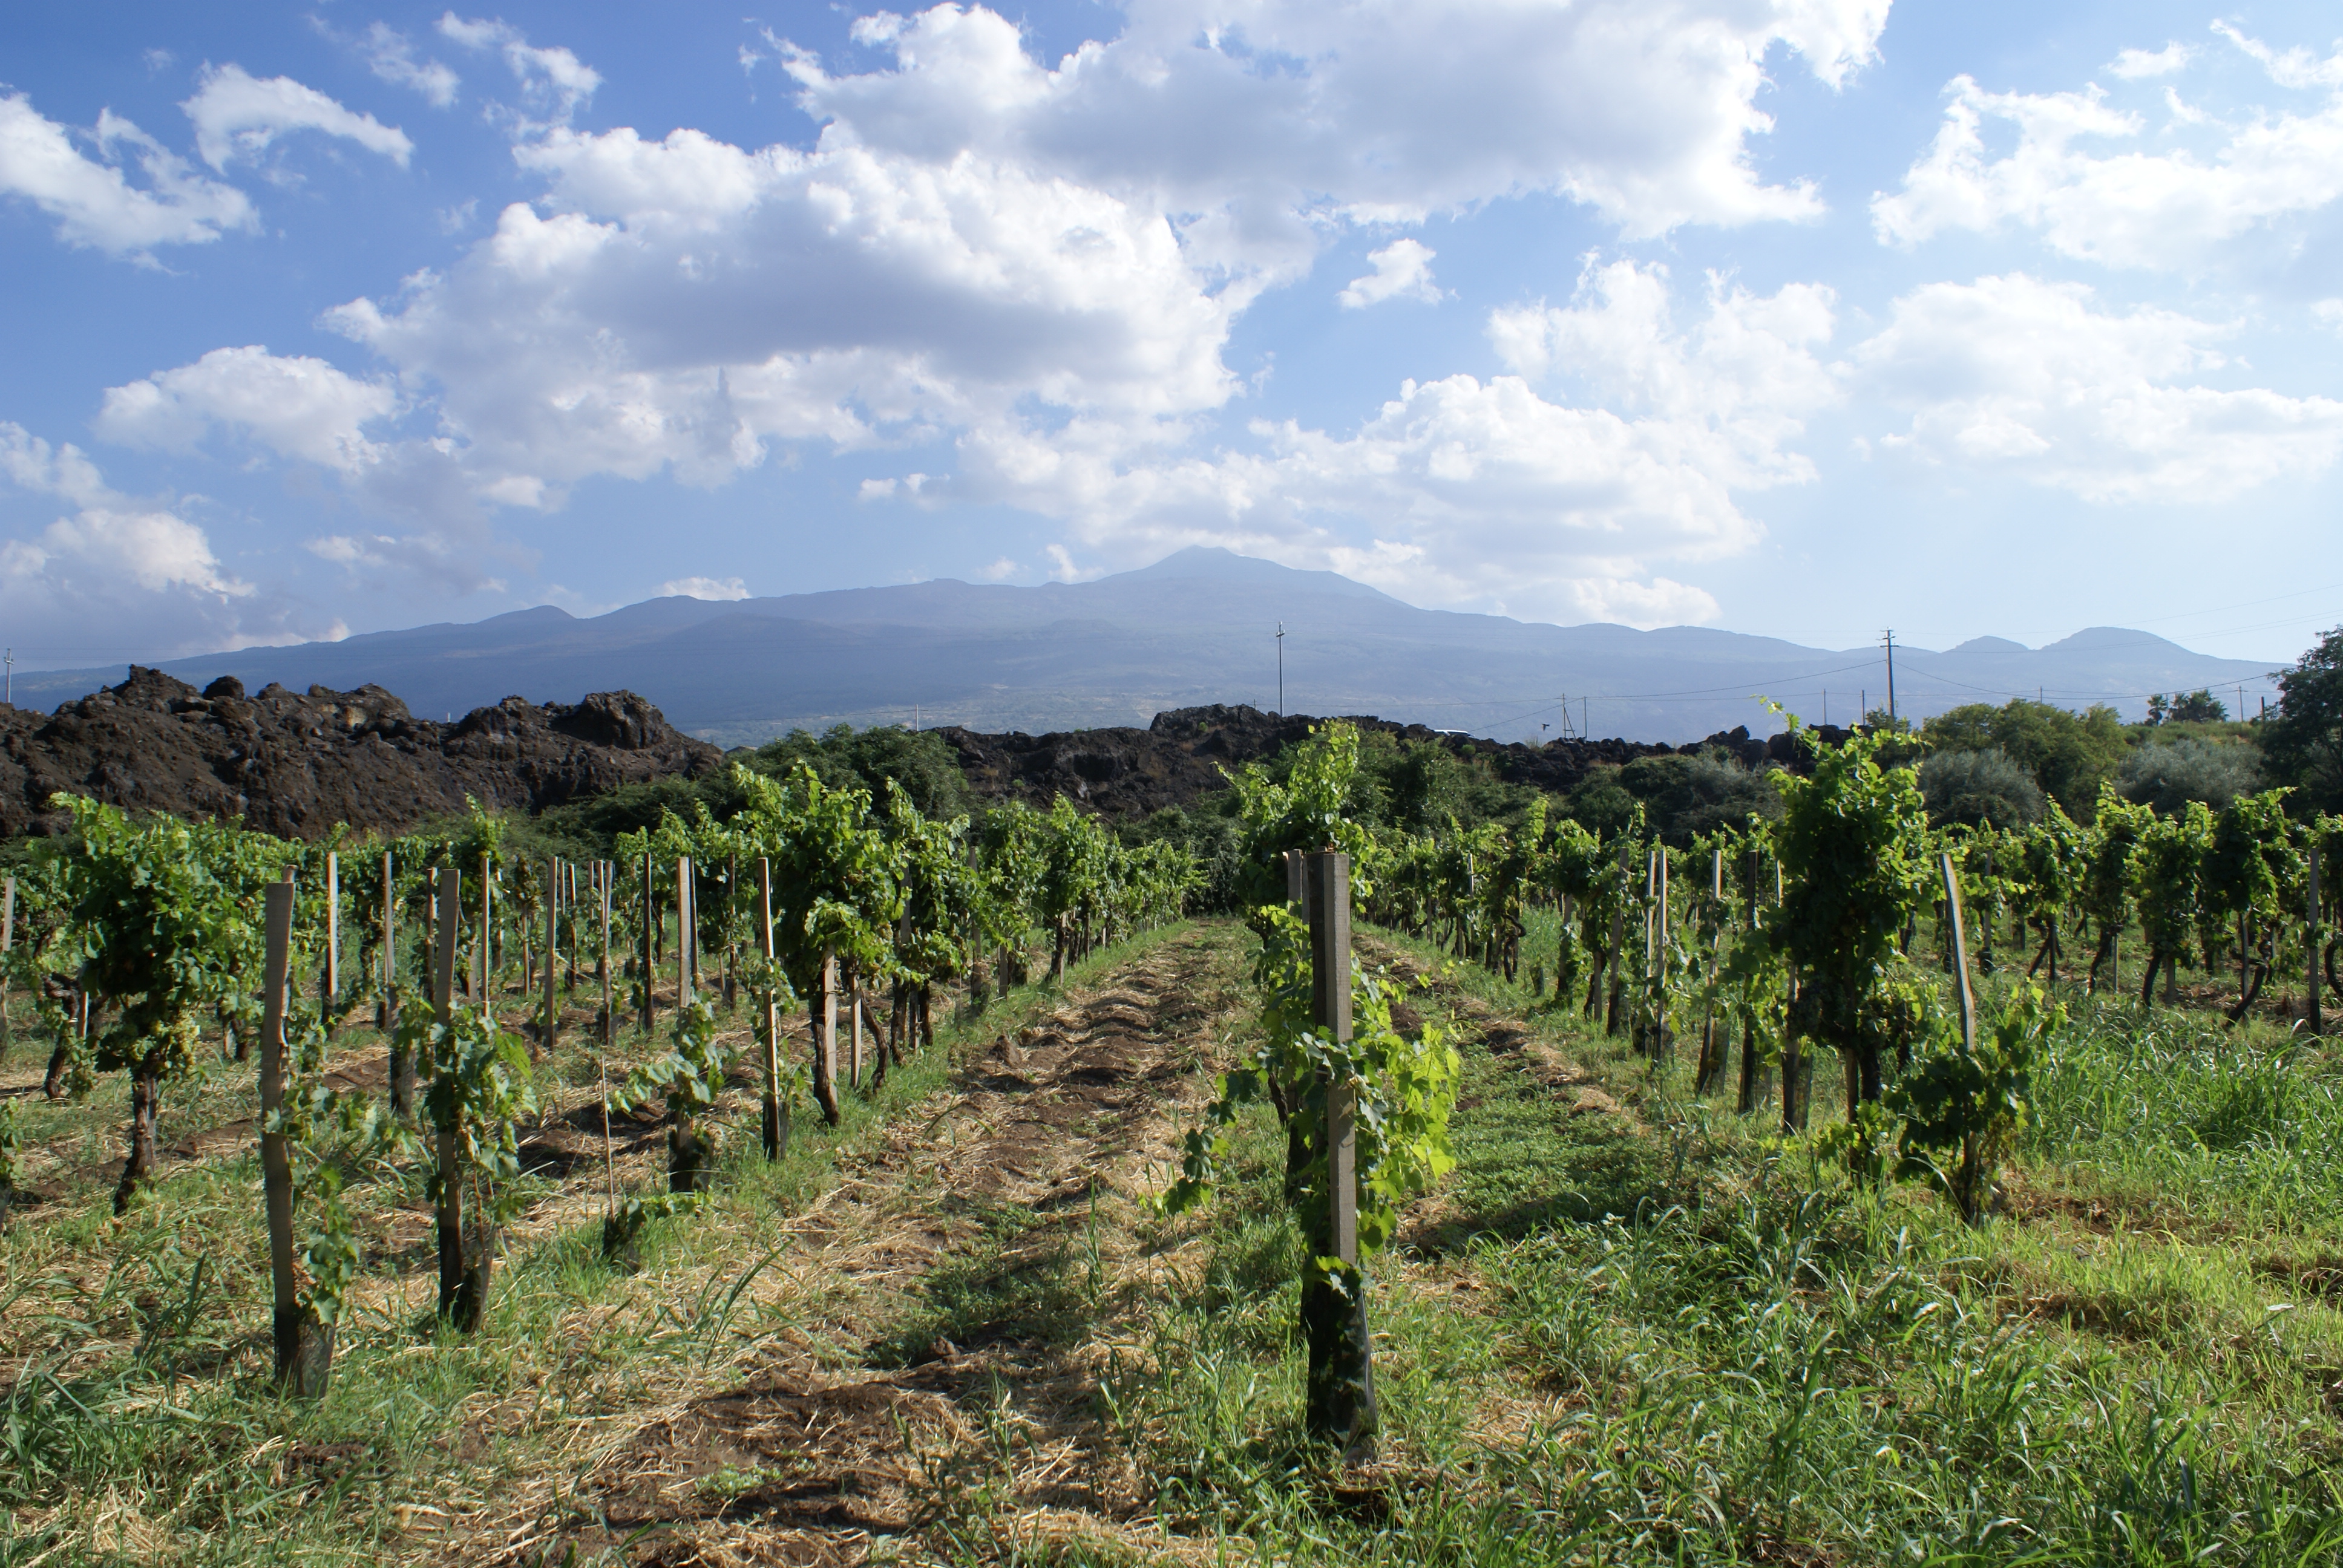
(1196, 628)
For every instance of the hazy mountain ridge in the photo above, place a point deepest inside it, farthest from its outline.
(1194, 630)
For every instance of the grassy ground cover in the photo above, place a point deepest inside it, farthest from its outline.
(1632, 1326)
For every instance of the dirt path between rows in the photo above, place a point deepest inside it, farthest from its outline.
(1483, 1024)
(941, 1306)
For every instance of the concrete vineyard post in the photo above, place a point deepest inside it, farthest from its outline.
(8, 941)
(1341, 1386)
(854, 1010)
(305, 1348)
(776, 1125)
(552, 933)
(825, 1039)
(1959, 939)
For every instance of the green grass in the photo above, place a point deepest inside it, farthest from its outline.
(138, 1423)
(1682, 1342)
(1631, 1335)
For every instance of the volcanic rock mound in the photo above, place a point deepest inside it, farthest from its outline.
(295, 764)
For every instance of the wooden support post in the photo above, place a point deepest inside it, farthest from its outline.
(484, 953)
(386, 1002)
(1341, 1386)
(685, 925)
(2314, 911)
(605, 874)
(824, 1019)
(462, 1259)
(8, 941)
(552, 945)
(777, 1112)
(651, 942)
(1659, 1041)
(333, 987)
(1967, 997)
(854, 1007)
(305, 1347)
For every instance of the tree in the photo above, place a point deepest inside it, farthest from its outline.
(2199, 707)
(2302, 745)
(2070, 754)
(1979, 788)
(2169, 777)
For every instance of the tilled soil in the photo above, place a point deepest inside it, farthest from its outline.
(949, 1306)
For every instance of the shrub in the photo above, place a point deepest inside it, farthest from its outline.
(2169, 777)
(1686, 795)
(2067, 754)
(1975, 788)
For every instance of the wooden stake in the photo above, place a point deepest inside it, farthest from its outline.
(825, 1039)
(333, 929)
(388, 1003)
(8, 941)
(1341, 1386)
(685, 992)
(276, 1161)
(459, 1296)
(1960, 954)
(552, 931)
(777, 1127)
(650, 933)
(605, 874)
(483, 957)
(2315, 912)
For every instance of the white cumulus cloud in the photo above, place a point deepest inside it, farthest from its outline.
(704, 587)
(120, 561)
(2078, 173)
(92, 200)
(237, 116)
(2032, 377)
(297, 405)
(2134, 64)
(1402, 269)
(554, 82)
(1473, 491)
(390, 56)
(1040, 262)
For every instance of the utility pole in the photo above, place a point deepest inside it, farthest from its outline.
(1281, 668)
(1890, 636)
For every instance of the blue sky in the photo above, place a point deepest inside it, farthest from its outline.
(1805, 319)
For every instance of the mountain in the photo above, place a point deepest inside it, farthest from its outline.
(1196, 628)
